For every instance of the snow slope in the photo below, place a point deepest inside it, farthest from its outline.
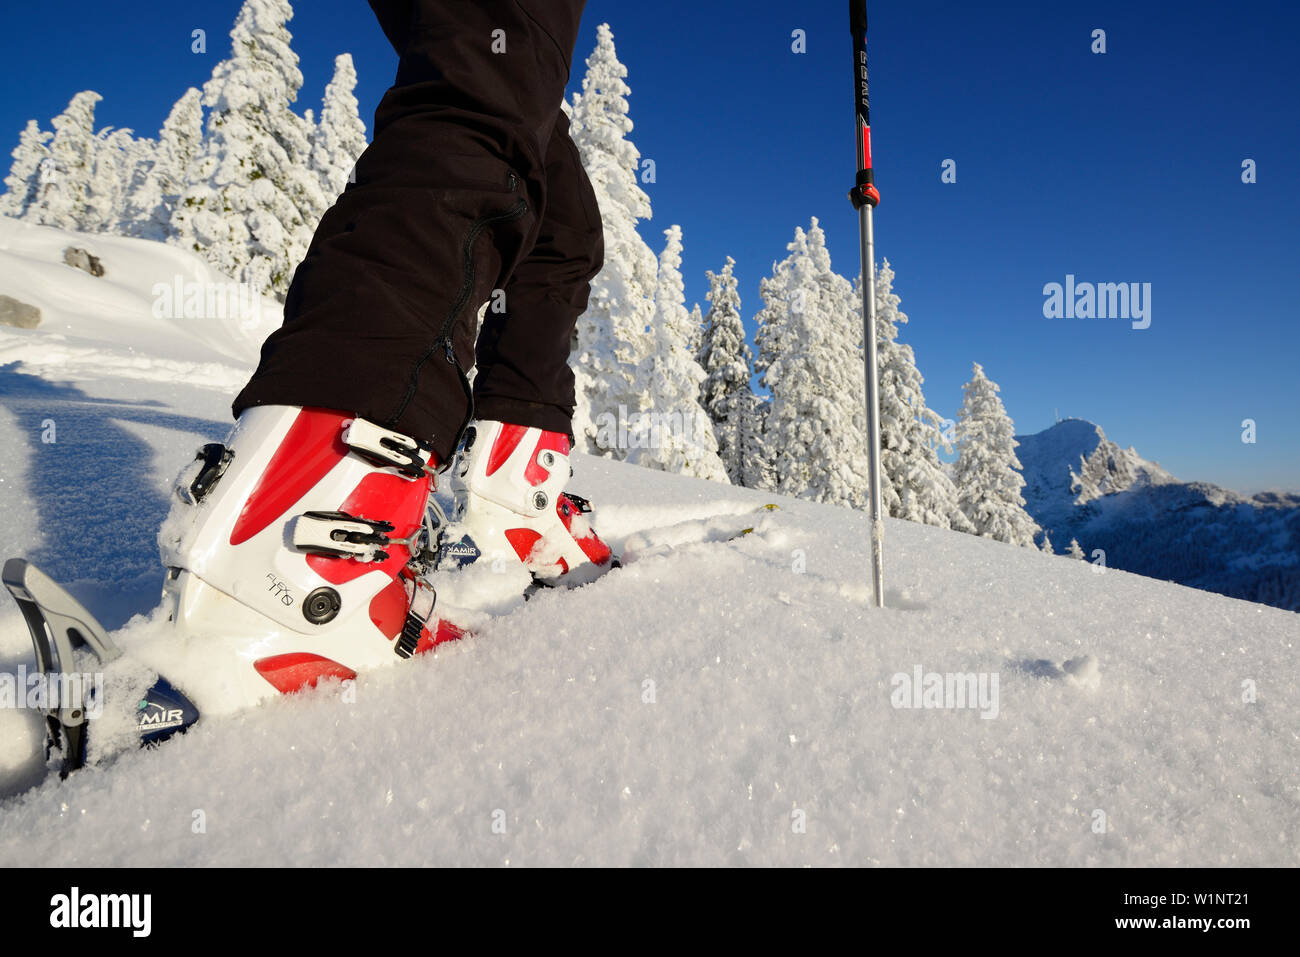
(716, 701)
(1079, 484)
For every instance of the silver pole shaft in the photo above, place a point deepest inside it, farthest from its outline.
(872, 361)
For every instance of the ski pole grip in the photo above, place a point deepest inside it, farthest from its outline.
(858, 17)
(864, 192)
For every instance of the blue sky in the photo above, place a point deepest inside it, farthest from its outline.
(1121, 167)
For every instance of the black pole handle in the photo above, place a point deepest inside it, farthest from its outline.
(864, 189)
(858, 17)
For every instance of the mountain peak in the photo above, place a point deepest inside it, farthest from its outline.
(1073, 462)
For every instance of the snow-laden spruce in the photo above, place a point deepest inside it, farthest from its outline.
(613, 336)
(64, 173)
(340, 137)
(157, 187)
(725, 356)
(117, 158)
(81, 179)
(29, 156)
(914, 484)
(697, 332)
(248, 195)
(810, 360)
(677, 434)
(252, 200)
(988, 472)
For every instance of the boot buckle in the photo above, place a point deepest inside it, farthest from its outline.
(210, 463)
(387, 448)
(341, 535)
(417, 617)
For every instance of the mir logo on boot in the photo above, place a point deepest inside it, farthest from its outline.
(462, 553)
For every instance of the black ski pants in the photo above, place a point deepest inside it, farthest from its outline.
(470, 192)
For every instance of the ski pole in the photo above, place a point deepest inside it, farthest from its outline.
(865, 197)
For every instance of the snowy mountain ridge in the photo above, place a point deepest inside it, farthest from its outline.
(1111, 469)
(1073, 462)
(1079, 484)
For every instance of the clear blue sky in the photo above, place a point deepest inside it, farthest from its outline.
(1122, 167)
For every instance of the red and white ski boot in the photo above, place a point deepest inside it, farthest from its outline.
(511, 505)
(295, 553)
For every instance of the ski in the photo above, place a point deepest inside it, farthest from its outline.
(62, 631)
(70, 643)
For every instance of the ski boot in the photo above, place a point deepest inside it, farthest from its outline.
(295, 553)
(511, 505)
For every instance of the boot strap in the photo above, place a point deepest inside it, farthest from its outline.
(388, 448)
(417, 617)
(341, 535)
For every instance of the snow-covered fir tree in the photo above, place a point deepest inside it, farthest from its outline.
(726, 393)
(252, 200)
(612, 337)
(755, 470)
(154, 194)
(1075, 551)
(1045, 545)
(21, 184)
(63, 177)
(340, 136)
(697, 332)
(809, 358)
(988, 473)
(117, 157)
(914, 484)
(677, 434)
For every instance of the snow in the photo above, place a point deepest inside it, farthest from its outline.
(724, 698)
(114, 318)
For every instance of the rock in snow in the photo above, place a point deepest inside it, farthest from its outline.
(20, 315)
(80, 259)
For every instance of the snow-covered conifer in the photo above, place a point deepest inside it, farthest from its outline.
(914, 484)
(252, 200)
(1075, 551)
(726, 393)
(340, 136)
(64, 176)
(21, 184)
(613, 334)
(118, 156)
(697, 332)
(809, 358)
(988, 472)
(155, 192)
(756, 470)
(677, 434)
